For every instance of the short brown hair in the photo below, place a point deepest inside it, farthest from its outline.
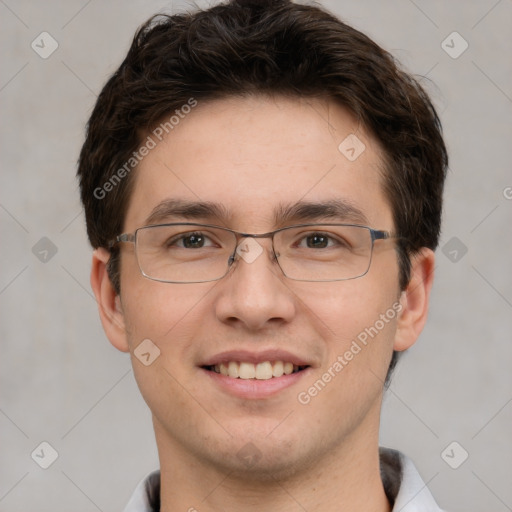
(273, 47)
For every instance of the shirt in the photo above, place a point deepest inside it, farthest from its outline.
(404, 487)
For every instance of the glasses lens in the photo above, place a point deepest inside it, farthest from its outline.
(184, 253)
(324, 252)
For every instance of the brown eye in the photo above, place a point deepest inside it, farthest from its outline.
(190, 241)
(317, 241)
(193, 241)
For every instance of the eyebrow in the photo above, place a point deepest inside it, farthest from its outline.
(301, 211)
(183, 209)
(333, 209)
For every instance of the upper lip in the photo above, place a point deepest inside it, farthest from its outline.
(246, 356)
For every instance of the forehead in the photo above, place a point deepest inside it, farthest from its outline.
(254, 159)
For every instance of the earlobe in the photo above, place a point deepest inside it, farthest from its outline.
(109, 302)
(415, 299)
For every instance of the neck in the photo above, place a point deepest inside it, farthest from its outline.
(346, 479)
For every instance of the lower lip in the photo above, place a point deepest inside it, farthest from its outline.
(253, 388)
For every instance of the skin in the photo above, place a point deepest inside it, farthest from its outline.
(251, 154)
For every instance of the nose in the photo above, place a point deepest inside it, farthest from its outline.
(254, 293)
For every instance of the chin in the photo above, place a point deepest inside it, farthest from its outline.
(263, 466)
(260, 457)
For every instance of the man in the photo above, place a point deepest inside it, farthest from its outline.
(263, 189)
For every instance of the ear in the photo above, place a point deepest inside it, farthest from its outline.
(414, 300)
(109, 303)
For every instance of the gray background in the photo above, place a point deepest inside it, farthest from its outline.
(62, 382)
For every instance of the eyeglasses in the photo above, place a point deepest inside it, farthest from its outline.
(198, 253)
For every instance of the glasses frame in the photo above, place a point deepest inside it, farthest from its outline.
(375, 234)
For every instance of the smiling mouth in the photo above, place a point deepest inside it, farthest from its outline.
(261, 371)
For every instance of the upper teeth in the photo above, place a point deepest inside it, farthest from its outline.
(261, 371)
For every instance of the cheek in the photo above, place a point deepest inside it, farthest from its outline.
(170, 316)
(158, 311)
(343, 310)
(357, 320)
(358, 327)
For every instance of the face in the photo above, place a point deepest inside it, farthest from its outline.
(255, 158)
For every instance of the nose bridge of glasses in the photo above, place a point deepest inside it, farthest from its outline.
(248, 242)
(248, 248)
